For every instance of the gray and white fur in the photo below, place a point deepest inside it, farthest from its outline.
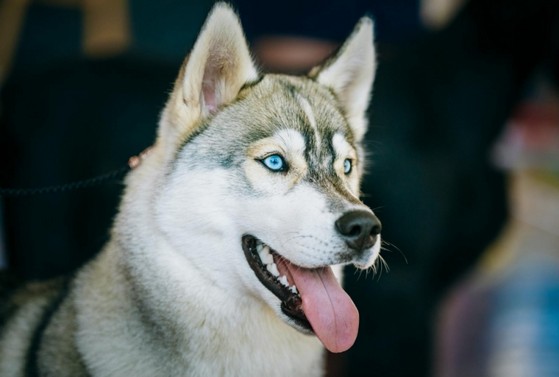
(244, 163)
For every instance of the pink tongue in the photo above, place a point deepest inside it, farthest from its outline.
(331, 313)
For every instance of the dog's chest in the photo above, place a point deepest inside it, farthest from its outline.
(248, 362)
(253, 350)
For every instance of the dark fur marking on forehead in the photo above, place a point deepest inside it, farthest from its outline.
(331, 98)
(320, 152)
(348, 132)
(314, 95)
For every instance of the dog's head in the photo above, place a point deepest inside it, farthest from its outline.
(262, 172)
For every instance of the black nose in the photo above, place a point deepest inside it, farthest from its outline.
(359, 229)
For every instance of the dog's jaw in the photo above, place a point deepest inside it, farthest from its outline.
(323, 307)
(262, 261)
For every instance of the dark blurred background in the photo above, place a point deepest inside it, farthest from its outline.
(464, 169)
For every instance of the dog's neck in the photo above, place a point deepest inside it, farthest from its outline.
(226, 336)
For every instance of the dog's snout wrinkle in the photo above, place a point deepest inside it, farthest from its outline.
(359, 229)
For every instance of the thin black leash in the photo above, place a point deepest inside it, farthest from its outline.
(20, 192)
(77, 185)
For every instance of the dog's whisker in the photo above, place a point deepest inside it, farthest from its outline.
(391, 247)
(382, 264)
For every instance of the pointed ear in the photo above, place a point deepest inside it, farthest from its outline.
(212, 75)
(350, 73)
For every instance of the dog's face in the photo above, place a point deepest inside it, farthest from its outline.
(262, 177)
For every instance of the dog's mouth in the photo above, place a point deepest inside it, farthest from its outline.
(312, 298)
(264, 262)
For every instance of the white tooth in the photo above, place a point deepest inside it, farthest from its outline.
(273, 269)
(259, 247)
(283, 280)
(268, 258)
(293, 289)
(265, 256)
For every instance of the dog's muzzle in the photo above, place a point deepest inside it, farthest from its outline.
(312, 298)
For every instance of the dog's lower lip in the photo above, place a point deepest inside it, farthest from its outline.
(290, 302)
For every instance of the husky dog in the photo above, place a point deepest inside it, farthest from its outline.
(226, 254)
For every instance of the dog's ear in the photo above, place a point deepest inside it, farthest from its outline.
(350, 73)
(212, 74)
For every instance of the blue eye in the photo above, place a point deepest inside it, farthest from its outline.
(275, 162)
(348, 165)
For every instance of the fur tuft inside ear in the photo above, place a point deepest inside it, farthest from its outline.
(211, 76)
(350, 74)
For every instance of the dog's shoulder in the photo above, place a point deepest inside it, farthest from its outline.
(9, 284)
(16, 294)
(26, 312)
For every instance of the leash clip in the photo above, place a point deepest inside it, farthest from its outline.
(135, 161)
